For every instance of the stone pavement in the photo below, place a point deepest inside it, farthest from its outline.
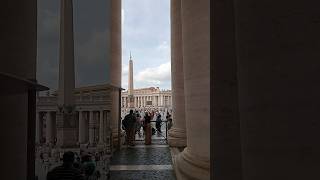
(131, 163)
(140, 162)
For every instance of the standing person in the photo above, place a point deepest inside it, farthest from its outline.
(138, 124)
(158, 123)
(66, 171)
(169, 122)
(129, 125)
(147, 121)
(89, 168)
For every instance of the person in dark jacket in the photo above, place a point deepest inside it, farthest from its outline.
(129, 122)
(147, 127)
(66, 171)
(158, 123)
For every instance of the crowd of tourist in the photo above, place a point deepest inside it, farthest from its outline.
(135, 120)
(75, 167)
(85, 163)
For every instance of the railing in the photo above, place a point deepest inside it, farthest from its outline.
(163, 122)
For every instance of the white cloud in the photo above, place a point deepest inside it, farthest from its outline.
(155, 76)
(146, 33)
(125, 69)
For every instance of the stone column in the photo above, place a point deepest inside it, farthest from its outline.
(91, 128)
(38, 128)
(194, 161)
(82, 128)
(177, 134)
(48, 127)
(142, 100)
(115, 63)
(101, 127)
(136, 98)
(154, 102)
(137, 102)
(126, 102)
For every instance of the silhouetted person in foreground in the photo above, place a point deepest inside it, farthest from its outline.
(129, 125)
(66, 171)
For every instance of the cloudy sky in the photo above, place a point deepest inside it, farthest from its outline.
(145, 32)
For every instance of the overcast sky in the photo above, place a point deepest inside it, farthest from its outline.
(145, 32)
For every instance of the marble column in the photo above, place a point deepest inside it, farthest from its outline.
(38, 127)
(115, 63)
(177, 134)
(82, 126)
(49, 127)
(142, 100)
(91, 128)
(194, 162)
(137, 102)
(101, 130)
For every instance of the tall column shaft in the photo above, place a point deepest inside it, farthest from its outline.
(194, 161)
(177, 134)
(49, 127)
(101, 127)
(82, 126)
(38, 128)
(91, 128)
(115, 62)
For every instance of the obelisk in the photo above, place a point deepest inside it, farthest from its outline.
(130, 84)
(66, 126)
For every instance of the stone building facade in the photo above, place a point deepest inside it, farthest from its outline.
(92, 107)
(144, 98)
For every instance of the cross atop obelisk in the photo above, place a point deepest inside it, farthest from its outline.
(66, 125)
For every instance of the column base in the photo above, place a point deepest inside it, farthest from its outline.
(115, 138)
(177, 137)
(190, 167)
